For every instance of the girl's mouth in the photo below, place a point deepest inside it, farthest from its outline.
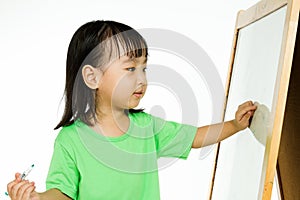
(138, 94)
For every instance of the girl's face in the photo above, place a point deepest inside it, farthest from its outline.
(123, 83)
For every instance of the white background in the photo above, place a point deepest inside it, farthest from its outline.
(33, 47)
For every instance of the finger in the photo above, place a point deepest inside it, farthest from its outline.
(251, 112)
(248, 109)
(247, 103)
(247, 116)
(27, 190)
(251, 108)
(240, 113)
(18, 175)
(15, 188)
(12, 183)
(22, 189)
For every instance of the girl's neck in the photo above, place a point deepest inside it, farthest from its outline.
(110, 114)
(112, 122)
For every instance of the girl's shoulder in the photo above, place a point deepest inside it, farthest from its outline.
(66, 133)
(141, 118)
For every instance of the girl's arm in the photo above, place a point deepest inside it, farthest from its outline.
(215, 133)
(53, 194)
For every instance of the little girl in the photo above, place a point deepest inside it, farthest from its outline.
(106, 149)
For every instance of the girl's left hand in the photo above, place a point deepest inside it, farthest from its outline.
(22, 189)
(243, 114)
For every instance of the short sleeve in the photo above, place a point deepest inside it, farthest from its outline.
(173, 139)
(63, 173)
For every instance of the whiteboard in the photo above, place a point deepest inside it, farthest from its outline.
(242, 157)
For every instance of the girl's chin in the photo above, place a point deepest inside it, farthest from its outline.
(132, 106)
(133, 103)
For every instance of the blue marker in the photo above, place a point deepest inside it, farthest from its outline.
(24, 174)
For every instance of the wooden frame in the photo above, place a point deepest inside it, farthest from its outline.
(288, 163)
(244, 18)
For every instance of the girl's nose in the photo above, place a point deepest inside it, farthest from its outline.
(142, 79)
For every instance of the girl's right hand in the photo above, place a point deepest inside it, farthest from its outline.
(22, 189)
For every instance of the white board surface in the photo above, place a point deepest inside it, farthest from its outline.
(241, 161)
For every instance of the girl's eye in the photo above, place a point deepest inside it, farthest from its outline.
(131, 69)
(145, 69)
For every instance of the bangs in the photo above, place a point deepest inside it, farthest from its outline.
(116, 42)
(128, 43)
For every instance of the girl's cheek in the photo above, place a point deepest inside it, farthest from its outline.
(124, 86)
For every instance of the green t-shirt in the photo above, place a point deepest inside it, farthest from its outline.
(86, 165)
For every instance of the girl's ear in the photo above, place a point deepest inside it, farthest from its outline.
(91, 76)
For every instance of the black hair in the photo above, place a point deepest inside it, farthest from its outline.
(95, 43)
